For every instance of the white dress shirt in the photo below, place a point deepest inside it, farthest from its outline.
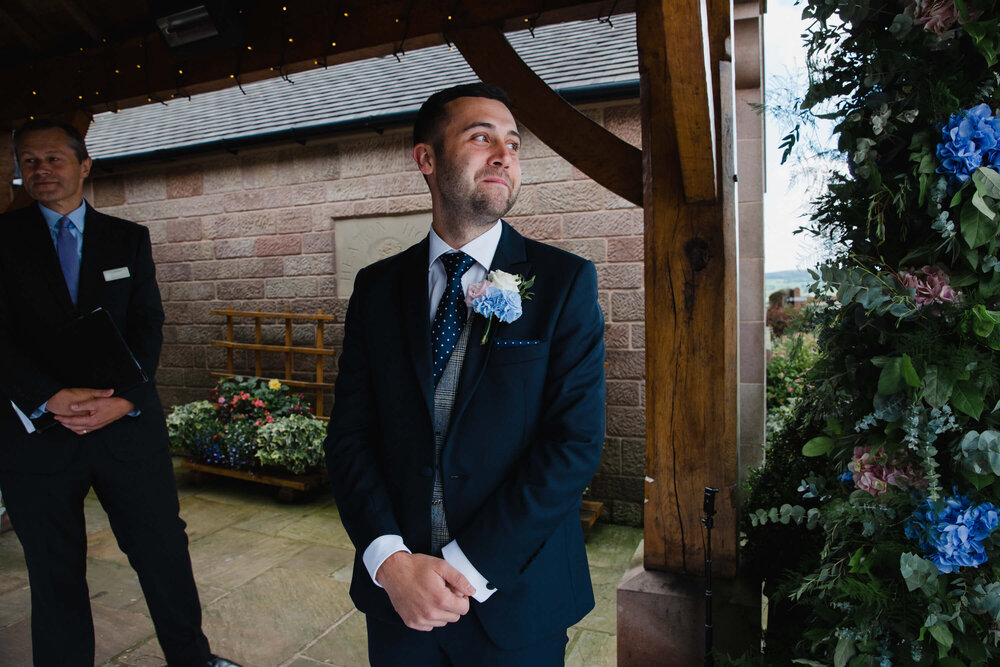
(482, 248)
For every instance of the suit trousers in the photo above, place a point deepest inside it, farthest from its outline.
(463, 643)
(140, 498)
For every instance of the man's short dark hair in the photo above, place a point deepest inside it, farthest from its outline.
(73, 137)
(432, 115)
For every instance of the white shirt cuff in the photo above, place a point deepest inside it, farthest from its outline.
(453, 554)
(381, 548)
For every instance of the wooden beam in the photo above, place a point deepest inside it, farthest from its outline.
(691, 330)
(141, 69)
(80, 17)
(688, 55)
(81, 121)
(610, 161)
(28, 36)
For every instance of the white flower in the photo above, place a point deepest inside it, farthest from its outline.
(505, 281)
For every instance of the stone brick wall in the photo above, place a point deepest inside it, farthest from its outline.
(258, 230)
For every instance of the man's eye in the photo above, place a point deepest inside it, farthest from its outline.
(480, 137)
(514, 146)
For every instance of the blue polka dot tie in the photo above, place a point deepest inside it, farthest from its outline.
(451, 311)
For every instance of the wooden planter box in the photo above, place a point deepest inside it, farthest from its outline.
(289, 487)
(590, 510)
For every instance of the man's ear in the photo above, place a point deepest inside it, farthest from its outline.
(85, 167)
(423, 155)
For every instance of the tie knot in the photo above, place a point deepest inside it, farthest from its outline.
(65, 224)
(456, 264)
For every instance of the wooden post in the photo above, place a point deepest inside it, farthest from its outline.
(319, 364)
(229, 338)
(691, 305)
(258, 339)
(288, 343)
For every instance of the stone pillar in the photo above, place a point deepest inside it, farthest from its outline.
(748, 61)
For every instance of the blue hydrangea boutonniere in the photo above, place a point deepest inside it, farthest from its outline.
(498, 298)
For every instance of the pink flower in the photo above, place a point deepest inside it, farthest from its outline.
(938, 16)
(258, 403)
(222, 400)
(475, 291)
(931, 284)
(874, 472)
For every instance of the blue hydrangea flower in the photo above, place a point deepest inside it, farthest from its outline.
(969, 140)
(952, 531)
(847, 476)
(505, 305)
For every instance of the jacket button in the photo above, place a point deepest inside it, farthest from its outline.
(427, 471)
(490, 587)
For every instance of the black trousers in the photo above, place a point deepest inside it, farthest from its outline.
(463, 643)
(140, 498)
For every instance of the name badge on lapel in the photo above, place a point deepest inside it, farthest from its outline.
(116, 274)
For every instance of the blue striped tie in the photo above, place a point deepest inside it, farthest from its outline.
(69, 256)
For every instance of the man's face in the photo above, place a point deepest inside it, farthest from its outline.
(51, 173)
(476, 169)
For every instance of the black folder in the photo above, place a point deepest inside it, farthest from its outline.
(94, 355)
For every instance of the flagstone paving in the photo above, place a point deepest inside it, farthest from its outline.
(273, 580)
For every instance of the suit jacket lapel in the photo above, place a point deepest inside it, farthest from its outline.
(510, 257)
(95, 233)
(414, 316)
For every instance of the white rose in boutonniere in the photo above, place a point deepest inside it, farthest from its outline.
(498, 298)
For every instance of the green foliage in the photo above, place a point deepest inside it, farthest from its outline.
(249, 422)
(903, 398)
(294, 443)
(791, 358)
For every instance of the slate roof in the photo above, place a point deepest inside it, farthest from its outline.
(572, 58)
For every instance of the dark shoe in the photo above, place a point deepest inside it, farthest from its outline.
(216, 661)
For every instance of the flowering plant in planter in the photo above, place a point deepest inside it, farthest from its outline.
(248, 423)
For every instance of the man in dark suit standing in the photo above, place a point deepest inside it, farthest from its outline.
(459, 446)
(61, 258)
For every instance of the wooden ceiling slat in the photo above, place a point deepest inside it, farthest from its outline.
(281, 43)
(80, 17)
(24, 29)
(612, 162)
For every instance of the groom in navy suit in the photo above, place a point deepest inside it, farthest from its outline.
(458, 447)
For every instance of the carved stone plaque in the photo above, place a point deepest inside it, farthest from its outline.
(362, 241)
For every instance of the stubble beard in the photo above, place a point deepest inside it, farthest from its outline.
(471, 207)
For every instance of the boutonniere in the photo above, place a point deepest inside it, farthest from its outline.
(498, 298)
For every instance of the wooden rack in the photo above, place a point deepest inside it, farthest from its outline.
(288, 349)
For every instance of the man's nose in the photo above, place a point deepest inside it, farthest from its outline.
(502, 157)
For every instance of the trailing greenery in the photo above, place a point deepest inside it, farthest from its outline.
(249, 423)
(874, 519)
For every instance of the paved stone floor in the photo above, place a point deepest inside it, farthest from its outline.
(273, 580)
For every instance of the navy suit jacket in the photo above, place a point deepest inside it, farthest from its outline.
(525, 438)
(35, 306)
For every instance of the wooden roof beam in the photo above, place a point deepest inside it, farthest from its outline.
(80, 17)
(27, 34)
(689, 68)
(139, 69)
(610, 161)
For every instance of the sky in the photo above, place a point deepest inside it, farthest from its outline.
(786, 204)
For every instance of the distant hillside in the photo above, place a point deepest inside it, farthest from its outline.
(786, 280)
